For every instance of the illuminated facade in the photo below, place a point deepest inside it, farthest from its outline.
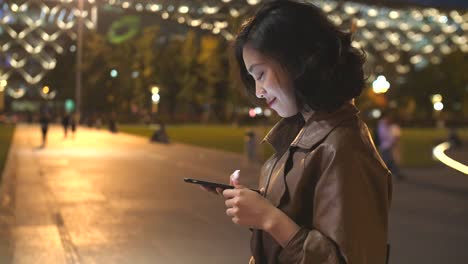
(33, 32)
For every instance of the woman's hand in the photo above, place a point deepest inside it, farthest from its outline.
(248, 208)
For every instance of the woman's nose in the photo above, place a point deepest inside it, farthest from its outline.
(260, 91)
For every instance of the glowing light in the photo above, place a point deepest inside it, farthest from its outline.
(394, 14)
(361, 22)
(3, 83)
(14, 7)
(436, 98)
(155, 98)
(416, 59)
(139, 7)
(114, 73)
(404, 26)
(438, 106)
(183, 9)
(210, 10)
(253, 2)
(195, 22)
(380, 85)
(154, 7)
(267, 112)
(234, 12)
(443, 19)
(155, 90)
(252, 113)
(372, 12)
(376, 113)
(45, 89)
(258, 110)
(439, 154)
(425, 28)
(165, 15)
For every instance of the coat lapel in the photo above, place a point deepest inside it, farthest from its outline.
(284, 135)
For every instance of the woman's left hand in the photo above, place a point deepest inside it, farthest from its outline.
(248, 208)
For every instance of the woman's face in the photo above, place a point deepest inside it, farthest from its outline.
(272, 82)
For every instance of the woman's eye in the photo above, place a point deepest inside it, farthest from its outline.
(260, 77)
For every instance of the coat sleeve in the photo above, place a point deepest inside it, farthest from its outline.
(350, 211)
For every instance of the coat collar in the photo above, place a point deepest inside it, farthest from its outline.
(318, 125)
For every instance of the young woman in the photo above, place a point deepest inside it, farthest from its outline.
(326, 191)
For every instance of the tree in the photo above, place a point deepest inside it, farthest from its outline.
(448, 78)
(144, 67)
(189, 74)
(211, 72)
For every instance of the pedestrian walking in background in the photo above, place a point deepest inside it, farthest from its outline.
(65, 124)
(44, 120)
(325, 193)
(389, 133)
(73, 123)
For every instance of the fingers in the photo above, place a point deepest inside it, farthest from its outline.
(230, 193)
(234, 202)
(232, 211)
(217, 191)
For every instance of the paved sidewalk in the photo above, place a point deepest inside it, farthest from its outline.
(115, 199)
(105, 198)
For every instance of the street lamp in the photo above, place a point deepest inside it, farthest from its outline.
(438, 107)
(79, 58)
(155, 97)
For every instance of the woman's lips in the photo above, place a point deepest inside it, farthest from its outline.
(271, 102)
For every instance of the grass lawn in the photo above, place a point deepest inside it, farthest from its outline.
(6, 133)
(416, 144)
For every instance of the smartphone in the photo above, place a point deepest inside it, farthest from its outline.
(213, 185)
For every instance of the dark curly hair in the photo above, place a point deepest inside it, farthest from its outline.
(326, 70)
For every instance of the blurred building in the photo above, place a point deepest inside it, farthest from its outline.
(397, 35)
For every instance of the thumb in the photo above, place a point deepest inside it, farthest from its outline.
(234, 179)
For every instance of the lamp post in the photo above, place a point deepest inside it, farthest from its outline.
(79, 58)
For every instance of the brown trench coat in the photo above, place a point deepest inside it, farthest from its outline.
(329, 178)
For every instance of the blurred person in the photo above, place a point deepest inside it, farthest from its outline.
(395, 129)
(65, 124)
(160, 135)
(325, 193)
(113, 123)
(388, 133)
(98, 122)
(44, 120)
(73, 123)
(453, 137)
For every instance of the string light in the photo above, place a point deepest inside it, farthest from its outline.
(59, 18)
(393, 36)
